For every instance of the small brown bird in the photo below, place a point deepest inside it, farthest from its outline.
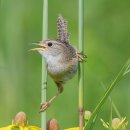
(61, 58)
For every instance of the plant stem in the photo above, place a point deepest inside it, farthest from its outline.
(44, 71)
(81, 68)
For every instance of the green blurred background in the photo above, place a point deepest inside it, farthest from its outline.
(107, 45)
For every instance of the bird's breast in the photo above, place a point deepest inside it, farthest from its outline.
(62, 72)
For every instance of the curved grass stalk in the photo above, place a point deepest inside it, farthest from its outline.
(125, 69)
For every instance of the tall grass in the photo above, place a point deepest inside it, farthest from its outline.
(81, 66)
(44, 71)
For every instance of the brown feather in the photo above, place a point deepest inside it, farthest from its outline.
(63, 34)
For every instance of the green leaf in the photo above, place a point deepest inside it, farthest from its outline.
(121, 74)
(113, 104)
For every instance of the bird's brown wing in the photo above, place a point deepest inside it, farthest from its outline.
(63, 34)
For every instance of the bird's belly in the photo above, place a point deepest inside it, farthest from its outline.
(62, 73)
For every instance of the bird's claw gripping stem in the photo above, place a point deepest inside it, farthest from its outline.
(44, 106)
(81, 57)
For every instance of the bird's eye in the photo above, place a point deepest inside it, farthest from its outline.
(50, 44)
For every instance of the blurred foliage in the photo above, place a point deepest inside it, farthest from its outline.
(107, 45)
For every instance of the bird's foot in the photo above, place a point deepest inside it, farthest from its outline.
(81, 57)
(44, 106)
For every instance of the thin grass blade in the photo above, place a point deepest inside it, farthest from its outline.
(44, 70)
(120, 75)
(113, 104)
(110, 120)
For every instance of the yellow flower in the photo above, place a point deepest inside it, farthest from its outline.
(11, 127)
(74, 128)
(20, 122)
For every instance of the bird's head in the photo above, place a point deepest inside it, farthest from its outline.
(51, 48)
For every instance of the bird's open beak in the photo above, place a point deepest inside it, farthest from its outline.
(41, 48)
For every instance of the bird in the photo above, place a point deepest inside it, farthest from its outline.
(61, 57)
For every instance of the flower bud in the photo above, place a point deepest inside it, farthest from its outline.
(53, 125)
(87, 115)
(115, 123)
(20, 119)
